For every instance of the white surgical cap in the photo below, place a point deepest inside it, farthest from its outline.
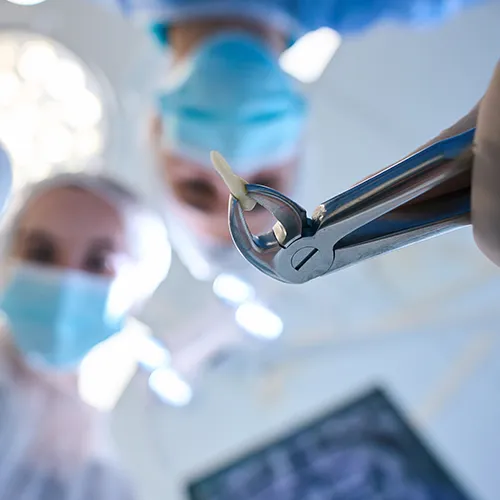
(5, 177)
(146, 234)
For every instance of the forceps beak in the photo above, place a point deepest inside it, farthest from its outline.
(261, 250)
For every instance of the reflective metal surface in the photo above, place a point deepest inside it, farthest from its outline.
(370, 219)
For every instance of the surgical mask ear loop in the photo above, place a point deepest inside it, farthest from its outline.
(236, 185)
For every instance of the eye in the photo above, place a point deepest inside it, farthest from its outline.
(265, 180)
(97, 263)
(200, 194)
(41, 253)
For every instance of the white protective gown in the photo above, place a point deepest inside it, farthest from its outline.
(52, 445)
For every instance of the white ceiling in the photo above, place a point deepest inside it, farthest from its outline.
(420, 320)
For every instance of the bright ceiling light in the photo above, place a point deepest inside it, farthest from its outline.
(259, 321)
(26, 2)
(7, 55)
(67, 79)
(309, 56)
(51, 109)
(37, 60)
(170, 387)
(150, 354)
(147, 350)
(55, 144)
(232, 289)
(108, 368)
(88, 143)
(84, 111)
(10, 85)
(105, 373)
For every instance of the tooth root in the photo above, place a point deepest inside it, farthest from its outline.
(236, 185)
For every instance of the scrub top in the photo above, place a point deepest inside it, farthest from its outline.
(52, 445)
(294, 17)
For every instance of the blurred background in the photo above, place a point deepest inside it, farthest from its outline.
(422, 323)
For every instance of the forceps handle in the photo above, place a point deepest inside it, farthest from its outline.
(396, 185)
(347, 256)
(417, 223)
(387, 234)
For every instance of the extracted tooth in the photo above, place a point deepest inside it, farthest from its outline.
(236, 185)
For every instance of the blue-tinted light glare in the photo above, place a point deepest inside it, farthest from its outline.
(170, 388)
(232, 289)
(259, 321)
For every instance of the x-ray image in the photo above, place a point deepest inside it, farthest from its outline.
(363, 451)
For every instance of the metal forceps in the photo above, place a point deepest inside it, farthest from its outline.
(367, 220)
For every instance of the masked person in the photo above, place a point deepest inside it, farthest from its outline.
(226, 91)
(81, 253)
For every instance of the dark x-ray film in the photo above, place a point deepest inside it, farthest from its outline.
(365, 450)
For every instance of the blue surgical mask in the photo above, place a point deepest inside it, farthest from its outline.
(232, 96)
(57, 316)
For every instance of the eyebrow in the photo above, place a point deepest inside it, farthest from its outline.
(34, 235)
(37, 236)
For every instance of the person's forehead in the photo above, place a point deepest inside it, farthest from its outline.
(70, 209)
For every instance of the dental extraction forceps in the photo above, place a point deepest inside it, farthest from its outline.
(367, 220)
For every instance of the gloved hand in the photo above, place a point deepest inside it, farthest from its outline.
(485, 179)
(486, 173)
